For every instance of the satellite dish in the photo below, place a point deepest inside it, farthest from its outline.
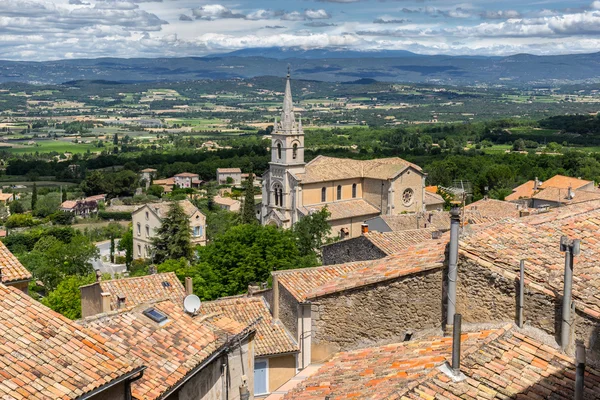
(192, 303)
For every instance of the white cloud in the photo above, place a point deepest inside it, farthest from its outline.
(596, 5)
(215, 11)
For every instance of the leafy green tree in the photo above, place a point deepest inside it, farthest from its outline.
(34, 196)
(312, 232)
(126, 245)
(112, 249)
(66, 298)
(220, 221)
(20, 221)
(173, 238)
(16, 207)
(47, 204)
(249, 208)
(155, 190)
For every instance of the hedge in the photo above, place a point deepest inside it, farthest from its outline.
(117, 216)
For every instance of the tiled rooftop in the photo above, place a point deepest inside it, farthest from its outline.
(68, 204)
(229, 170)
(44, 355)
(142, 289)
(12, 269)
(524, 191)
(393, 242)
(310, 283)
(564, 182)
(439, 220)
(323, 169)
(558, 195)
(163, 207)
(536, 239)
(494, 208)
(433, 198)
(271, 336)
(171, 349)
(187, 175)
(344, 209)
(498, 364)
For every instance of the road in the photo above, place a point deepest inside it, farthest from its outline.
(106, 267)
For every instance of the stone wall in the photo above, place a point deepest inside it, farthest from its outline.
(350, 250)
(288, 311)
(380, 313)
(486, 295)
(375, 191)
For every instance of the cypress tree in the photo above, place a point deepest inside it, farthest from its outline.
(34, 197)
(173, 238)
(248, 208)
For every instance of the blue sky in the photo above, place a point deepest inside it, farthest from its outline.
(57, 29)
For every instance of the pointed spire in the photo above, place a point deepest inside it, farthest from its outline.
(287, 115)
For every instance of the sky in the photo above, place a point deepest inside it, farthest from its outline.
(36, 30)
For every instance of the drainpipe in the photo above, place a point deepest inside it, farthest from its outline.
(579, 372)
(452, 263)
(521, 292)
(571, 249)
(275, 297)
(456, 332)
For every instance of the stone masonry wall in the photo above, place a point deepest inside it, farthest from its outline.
(379, 313)
(288, 311)
(484, 295)
(350, 250)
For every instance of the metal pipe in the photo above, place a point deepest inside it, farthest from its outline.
(579, 372)
(456, 332)
(571, 249)
(521, 292)
(452, 263)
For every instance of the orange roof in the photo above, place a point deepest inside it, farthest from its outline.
(171, 349)
(5, 196)
(12, 269)
(431, 189)
(44, 355)
(271, 336)
(69, 204)
(393, 242)
(564, 182)
(167, 181)
(186, 175)
(344, 209)
(142, 289)
(558, 195)
(498, 364)
(524, 191)
(490, 210)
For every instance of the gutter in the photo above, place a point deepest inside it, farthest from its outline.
(124, 378)
(224, 349)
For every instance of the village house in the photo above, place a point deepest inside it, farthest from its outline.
(12, 272)
(227, 203)
(147, 219)
(352, 190)
(186, 356)
(147, 175)
(186, 180)
(47, 356)
(167, 184)
(555, 192)
(6, 198)
(235, 175)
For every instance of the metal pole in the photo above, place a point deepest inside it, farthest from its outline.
(571, 249)
(579, 372)
(456, 332)
(521, 292)
(452, 263)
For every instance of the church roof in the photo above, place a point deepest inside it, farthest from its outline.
(323, 169)
(344, 209)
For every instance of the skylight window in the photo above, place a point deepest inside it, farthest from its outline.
(155, 315)
(166, 284)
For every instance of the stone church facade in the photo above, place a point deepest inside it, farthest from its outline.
(352, 190)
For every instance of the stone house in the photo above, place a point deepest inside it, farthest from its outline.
(234, 173)
(433, 201)
(328, 308)
(52, 357)
(147, 175)
(187, 357)
(352, 190)
(105, 296)
(186, 180)
(563, 189)
(147, 219)
(12, 272)
(80, 208)
(275, 351)
(227, 203)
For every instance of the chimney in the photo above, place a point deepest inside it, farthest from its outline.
(98, 275)
(579, 371)
(105, 302)
(1, 274)
(571, 249)
(364, 228)
(521, 292)
(524, 213)
(452, 263)
(152, 269)
(570, 193)
(275, 297)
(456, 332)
(120, 300)
(189, 286)
(436, 234)
(536, 183)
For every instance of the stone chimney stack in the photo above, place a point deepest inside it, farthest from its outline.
(189, 286)
(536, 183)
(105, 302)
(364, 228)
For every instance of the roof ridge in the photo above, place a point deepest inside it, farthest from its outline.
(129, 278)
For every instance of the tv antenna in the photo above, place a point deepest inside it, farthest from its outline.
(191, 304)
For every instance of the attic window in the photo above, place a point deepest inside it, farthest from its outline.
(166, 284)
(155, 315)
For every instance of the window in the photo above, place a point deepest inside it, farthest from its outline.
(197, 231)
(139, 251)
(155, 315)
(295, 151)
(354, 190)
(281, 197)
(407, 197)
(279, 151)
(276, 194)
(339, 192)
(147, 215)
(261, 368)
(147, 230)
(139, 229)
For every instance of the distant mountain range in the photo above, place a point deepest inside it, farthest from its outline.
(324, 65)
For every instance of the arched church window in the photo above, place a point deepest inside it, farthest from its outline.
(339, 192)
(277, 194)
(279, 151)
(354, 190)
(295, 151)
(323, 195)
(281, 197)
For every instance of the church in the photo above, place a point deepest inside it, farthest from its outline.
(352, 190)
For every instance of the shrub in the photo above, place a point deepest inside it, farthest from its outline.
(20, 221)
(117, 216)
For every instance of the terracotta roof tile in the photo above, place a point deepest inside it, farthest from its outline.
(524, 191)
(558, 195)
(431, 189)
(564, 182)
(439, 220)
(171, 349)
(6, 196)
(536, 239)
(229, 170)
(142, 289)
(163, 207)
(186, 175)
(12, 269)
(344, 209)
(393, 242)
(271, 336)
(433, 198)
(45, 355)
